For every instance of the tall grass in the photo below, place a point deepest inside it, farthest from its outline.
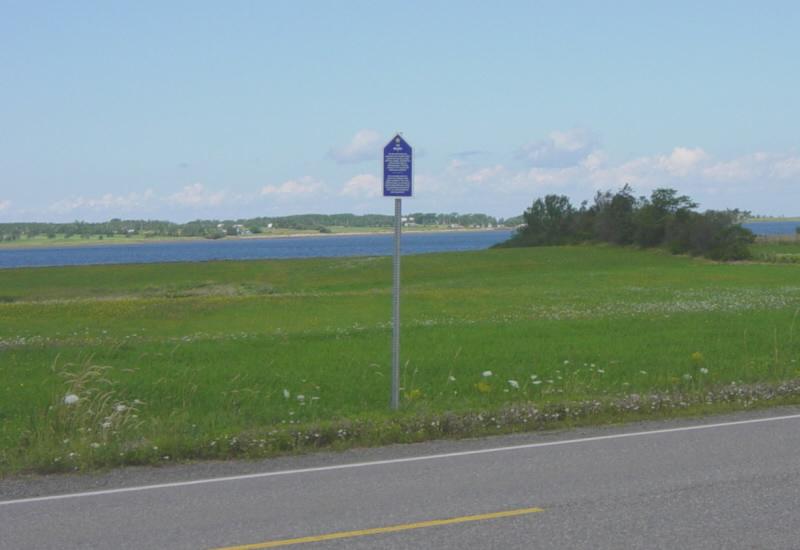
(251, 358)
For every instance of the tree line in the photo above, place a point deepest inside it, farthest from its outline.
(665, 219)
(221, 228)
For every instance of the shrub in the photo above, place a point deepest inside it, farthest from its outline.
(665, 219)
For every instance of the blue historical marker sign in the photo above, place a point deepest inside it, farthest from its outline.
(397, 168)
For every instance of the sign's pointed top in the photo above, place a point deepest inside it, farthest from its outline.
(398, 140)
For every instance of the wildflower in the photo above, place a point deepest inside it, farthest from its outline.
(121, 408)
(601, 371)
(566, 361)
(106, 425)
(451, 378)
(703, 370)
(697, 357)
(483, 387)
(536, 382)
(301, 397)
(71, 399)
(416, 393)
(687, 377)
(487, 373)
(94, 445)
(534, 377)
(286, 393)
(642, 372)
(514, 384)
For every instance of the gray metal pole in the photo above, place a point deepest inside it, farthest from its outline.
(396, 306)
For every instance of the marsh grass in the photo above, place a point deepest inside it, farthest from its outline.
(224, 359)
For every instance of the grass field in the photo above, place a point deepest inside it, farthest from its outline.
(175, 361)
(784, 250)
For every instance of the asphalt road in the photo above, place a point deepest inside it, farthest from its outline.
(722, 482)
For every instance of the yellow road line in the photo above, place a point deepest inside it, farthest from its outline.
(380, 530)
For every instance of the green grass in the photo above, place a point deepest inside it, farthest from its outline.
(782, 250)
(195, 360)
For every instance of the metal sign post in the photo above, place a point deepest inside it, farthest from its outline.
(397, 183)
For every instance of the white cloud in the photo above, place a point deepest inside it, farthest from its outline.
(365, 145)
(4, 205)
(197, 195)
(787, 168)
(561, 149)
(293, 188)
(757, 168)
(486, 174)
(690, 170)
(362, 186)
(682, 160)
(455, 165)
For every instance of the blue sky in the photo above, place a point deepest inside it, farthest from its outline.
(183, 110)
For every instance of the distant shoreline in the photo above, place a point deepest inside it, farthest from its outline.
(95, 242)
(773, 220)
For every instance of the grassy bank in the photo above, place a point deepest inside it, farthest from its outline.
(228, 358)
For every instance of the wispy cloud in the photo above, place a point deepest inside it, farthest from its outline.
(362, 186)
(468, 154)
(365, 145)
(108, 201)
(560, 149)
(294, 188)
(571, 162)
(487, 174)
(196, 195)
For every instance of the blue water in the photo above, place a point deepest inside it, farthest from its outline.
(251, 249)
(772, 228)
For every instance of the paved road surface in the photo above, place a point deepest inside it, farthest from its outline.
(732, 483)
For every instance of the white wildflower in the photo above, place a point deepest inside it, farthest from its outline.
(514, 384)
(121, 408)
(451, 378)
(534, 377)
(71, 399)
(687, 377)
(301, 397)
(286, 393)
(703, 370)
(537, 382)
(487, 373)
(642, 372)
